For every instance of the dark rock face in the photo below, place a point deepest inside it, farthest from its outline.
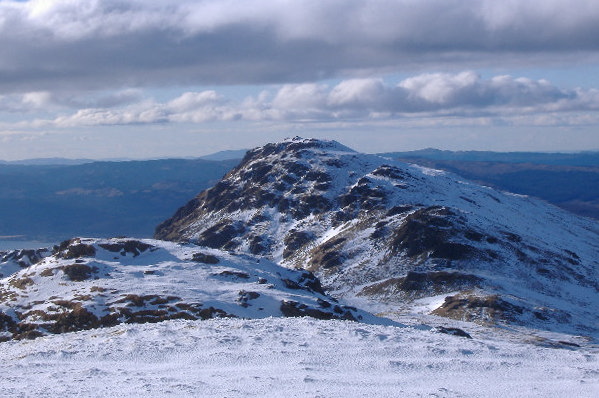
(233, 274)
(363, 196)
(295, 309)
(21, 283)
(296, 240)
(245, 298)
(134, 247)
(328, 255)
(78, 272)
(134, 308)
(306, 281)
(429, 230)
(77, 319)
(259, 245)
(70, 249)
(221, 235)
(452, 331)
(205, 258)
(73, 316)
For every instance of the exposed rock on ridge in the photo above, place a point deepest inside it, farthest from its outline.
(92, 283)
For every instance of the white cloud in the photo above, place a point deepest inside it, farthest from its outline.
(190, 101)
(27, 102)
(359, 93)
(463, 95)
(441, 89)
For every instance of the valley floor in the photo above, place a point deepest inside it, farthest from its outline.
(291, 357)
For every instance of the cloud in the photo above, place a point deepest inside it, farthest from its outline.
(46, 101)
(26, 102)
(503, 99)
(99, 44)
(467, 89)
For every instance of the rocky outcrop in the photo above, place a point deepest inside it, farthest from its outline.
(12, 260)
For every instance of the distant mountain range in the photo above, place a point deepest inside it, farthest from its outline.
(47, 162)
(217, 156)
(226, 155)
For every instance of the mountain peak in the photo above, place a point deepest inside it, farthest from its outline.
(298, 147)
(329, 145)
(388, 231)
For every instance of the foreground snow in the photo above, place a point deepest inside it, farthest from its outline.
(292, 357)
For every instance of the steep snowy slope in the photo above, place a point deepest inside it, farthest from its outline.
(391, 233)
(90, 283)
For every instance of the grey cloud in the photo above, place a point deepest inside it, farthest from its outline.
(36, 101)
(98, 100)
(95, 44)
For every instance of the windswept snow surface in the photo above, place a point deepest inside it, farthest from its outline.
(298, 357)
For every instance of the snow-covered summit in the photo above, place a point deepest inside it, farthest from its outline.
(392, 233)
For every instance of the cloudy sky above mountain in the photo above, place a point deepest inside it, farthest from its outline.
(138, 79)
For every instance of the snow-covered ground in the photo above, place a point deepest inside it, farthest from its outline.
(291, 357)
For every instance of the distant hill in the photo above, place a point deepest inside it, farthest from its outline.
(590, 158)
(56, 202)
(568, 180)
(226, 155)
(48, 162)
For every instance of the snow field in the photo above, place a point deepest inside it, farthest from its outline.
(291, 357)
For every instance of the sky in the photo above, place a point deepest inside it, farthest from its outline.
(138, 79)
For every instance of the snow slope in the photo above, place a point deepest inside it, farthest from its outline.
(390, 232)
(89, 283)
(292, 358)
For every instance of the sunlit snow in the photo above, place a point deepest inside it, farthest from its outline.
(289, 357)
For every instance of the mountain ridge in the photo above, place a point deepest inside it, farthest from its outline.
(390, 232)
